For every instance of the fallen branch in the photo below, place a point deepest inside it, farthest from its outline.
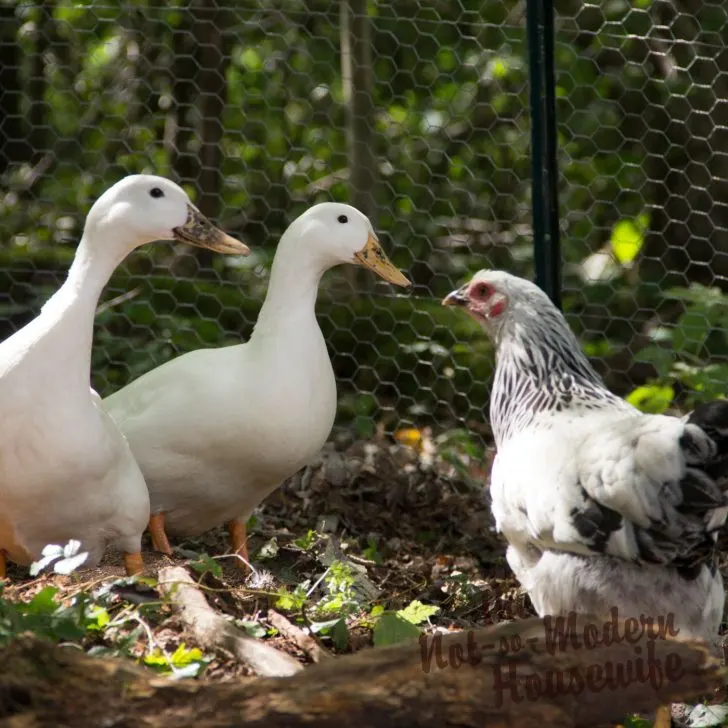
(461, 679)
(212, 631)
(302, 640)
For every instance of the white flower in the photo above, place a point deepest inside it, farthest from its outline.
(69, 557)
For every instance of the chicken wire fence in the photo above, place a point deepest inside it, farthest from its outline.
(416, 112)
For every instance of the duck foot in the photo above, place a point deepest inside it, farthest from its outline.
(3, 564)
(239, 539)
(133, 563)
(159, 536)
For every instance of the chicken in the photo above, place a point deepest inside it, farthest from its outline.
(602, 506)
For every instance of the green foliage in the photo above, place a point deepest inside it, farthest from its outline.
(307, 541)
(371, 551)
(400, 626)
(45, 617)
(254, 629)
(115, 88)
(627, 239)
(205, 564)
(183, 662)
(461, 449)
(416, 612)
(681, 353)
(269, 550)
(340, 597)
(391, 628)
(652, 398)
(291, 601)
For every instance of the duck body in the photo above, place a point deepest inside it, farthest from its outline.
(216, 431)
(59, 448)
(66, 471)
(256, 420)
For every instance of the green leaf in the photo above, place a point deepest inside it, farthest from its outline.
(391, 629)
(99, 618)
(251, 59)
(627, 239)
(254, 629)
(692, 331)
(416, 612)
(371, 552)
(291, 601)
(306, 541)
(660, 357)
(652, 398)
(206, 564)
(183, 656)
(44, 602)
(340, 635)
(269, 550)
(156, 658)
(364, 426)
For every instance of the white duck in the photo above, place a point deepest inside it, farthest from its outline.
(66, 472)
(216, 430)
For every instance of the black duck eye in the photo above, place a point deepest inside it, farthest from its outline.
(342, 219)
(156, 192)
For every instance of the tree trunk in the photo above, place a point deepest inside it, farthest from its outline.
(213, 93)
(356, 74)
(466, 679)
(356, 78)
(38, 117)
(183, 158)
(13, 146)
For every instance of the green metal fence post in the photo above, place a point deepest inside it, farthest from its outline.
(544, 147)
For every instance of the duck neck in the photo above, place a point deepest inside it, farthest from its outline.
(292, 291)
(68, 316)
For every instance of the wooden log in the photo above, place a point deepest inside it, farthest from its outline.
(509, 675)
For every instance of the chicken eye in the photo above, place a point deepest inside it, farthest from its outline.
(483, 290)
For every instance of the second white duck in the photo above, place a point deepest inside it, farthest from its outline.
(216, 430)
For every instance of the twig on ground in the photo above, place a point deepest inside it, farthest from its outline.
(214, 632)
(302, 640)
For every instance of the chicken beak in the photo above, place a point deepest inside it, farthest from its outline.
(457, 298)
(199, 231)
(373, 257)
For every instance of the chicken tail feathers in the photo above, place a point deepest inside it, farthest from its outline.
(712, 419)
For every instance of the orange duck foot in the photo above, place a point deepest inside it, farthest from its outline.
(133, 563)
(239, 539)
(159, 537)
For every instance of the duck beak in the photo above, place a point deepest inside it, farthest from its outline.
(199, 231)
(457, 298)
(373, 257)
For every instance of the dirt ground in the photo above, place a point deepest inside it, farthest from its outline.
(413, 519)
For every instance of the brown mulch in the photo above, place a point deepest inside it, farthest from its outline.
(418, 525)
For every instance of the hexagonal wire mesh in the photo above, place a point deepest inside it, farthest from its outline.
(416, 112)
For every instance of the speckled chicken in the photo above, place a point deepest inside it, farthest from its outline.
(602, 505)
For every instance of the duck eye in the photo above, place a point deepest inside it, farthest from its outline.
(156, 192)
(342, 219)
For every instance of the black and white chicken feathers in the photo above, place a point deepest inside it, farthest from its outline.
(603, 506)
